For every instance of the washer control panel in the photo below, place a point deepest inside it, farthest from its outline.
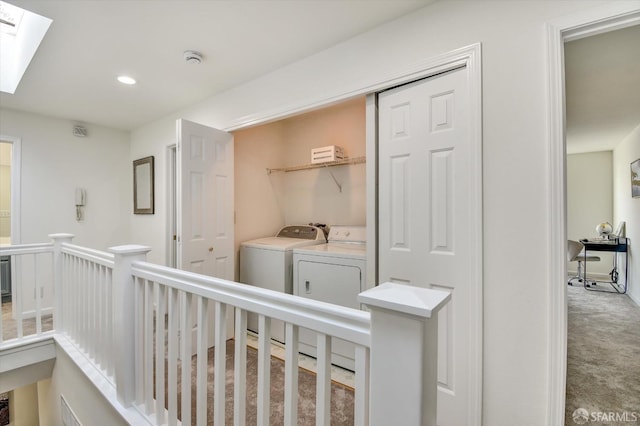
(304, 232)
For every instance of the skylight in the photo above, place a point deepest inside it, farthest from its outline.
(21, 32)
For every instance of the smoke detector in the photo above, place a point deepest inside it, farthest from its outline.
(79, 131)
(192, 57)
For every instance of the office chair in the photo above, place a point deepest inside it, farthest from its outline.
(575, 253)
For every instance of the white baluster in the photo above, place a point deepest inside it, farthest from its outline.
(219, 375)
(149, 312)
(185, 355)
(160, 291)
(264, 370)
(172, 355)
(361, 393)
(323, 380)
(291, 375)
(202, 356)
(240, 368)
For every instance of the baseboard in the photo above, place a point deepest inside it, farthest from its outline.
(634, 298)
(32, 313)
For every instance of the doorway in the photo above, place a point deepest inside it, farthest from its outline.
(607, 18)
(10, 154)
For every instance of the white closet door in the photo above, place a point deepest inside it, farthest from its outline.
(425, 217)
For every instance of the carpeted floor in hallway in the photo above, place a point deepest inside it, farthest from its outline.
(603, 356)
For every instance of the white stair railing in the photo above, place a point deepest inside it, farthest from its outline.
(148, 312)
(30, 280)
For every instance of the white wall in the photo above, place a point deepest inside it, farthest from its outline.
(627, 208)
(590, 202)
(81, 395)
(54, 163)
(266, 202)
(312, 195)
(515, 159)
(23, 406)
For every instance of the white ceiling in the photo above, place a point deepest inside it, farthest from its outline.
(72, 75)
(602, 89)
(89, 43)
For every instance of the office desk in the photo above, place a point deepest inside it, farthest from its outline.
(617, 245)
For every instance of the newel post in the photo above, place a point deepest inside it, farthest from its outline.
(404, 351)
(124, 319)
(58, 307)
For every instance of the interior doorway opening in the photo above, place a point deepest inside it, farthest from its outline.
(600, 20)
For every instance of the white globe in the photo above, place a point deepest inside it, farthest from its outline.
(604, 228)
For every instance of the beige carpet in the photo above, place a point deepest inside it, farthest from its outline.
(603, 356)
(342, 397)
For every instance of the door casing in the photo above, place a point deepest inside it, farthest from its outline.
(609, 17)
(469, 57)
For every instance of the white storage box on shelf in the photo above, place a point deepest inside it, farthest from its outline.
(326, 154)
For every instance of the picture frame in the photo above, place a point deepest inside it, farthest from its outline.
(143, 186)
(635, 178)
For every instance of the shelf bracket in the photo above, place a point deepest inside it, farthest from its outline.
(334, 178)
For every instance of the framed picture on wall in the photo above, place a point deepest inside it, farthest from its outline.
(635, 178)
(143, 186)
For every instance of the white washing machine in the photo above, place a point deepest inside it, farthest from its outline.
(267, 263)
(333, 273)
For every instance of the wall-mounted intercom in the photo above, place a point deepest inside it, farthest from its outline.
(81, 199)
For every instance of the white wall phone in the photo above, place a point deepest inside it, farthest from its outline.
(81, 198)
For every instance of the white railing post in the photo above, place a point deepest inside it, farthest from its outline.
(124, 319)
(57, 240)
(404, 349)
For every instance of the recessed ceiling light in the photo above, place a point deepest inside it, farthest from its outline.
(126, 80)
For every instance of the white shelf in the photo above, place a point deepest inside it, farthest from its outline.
(346, 161)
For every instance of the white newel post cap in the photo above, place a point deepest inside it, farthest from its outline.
(417, 301)
(61, 237)
(403, 318)
(130, 249)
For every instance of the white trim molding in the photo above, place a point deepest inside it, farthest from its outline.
(469, 57)
(609, 17)
(16, 163)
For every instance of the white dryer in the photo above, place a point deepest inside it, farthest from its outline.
(333, 273)
(267, 263)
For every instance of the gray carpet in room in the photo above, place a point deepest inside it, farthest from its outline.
(603, 355)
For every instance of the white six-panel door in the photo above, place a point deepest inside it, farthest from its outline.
(205, 213)
(425, 215)
(205, 209)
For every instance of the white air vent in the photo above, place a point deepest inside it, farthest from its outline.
(79, 131)
(68, 416)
